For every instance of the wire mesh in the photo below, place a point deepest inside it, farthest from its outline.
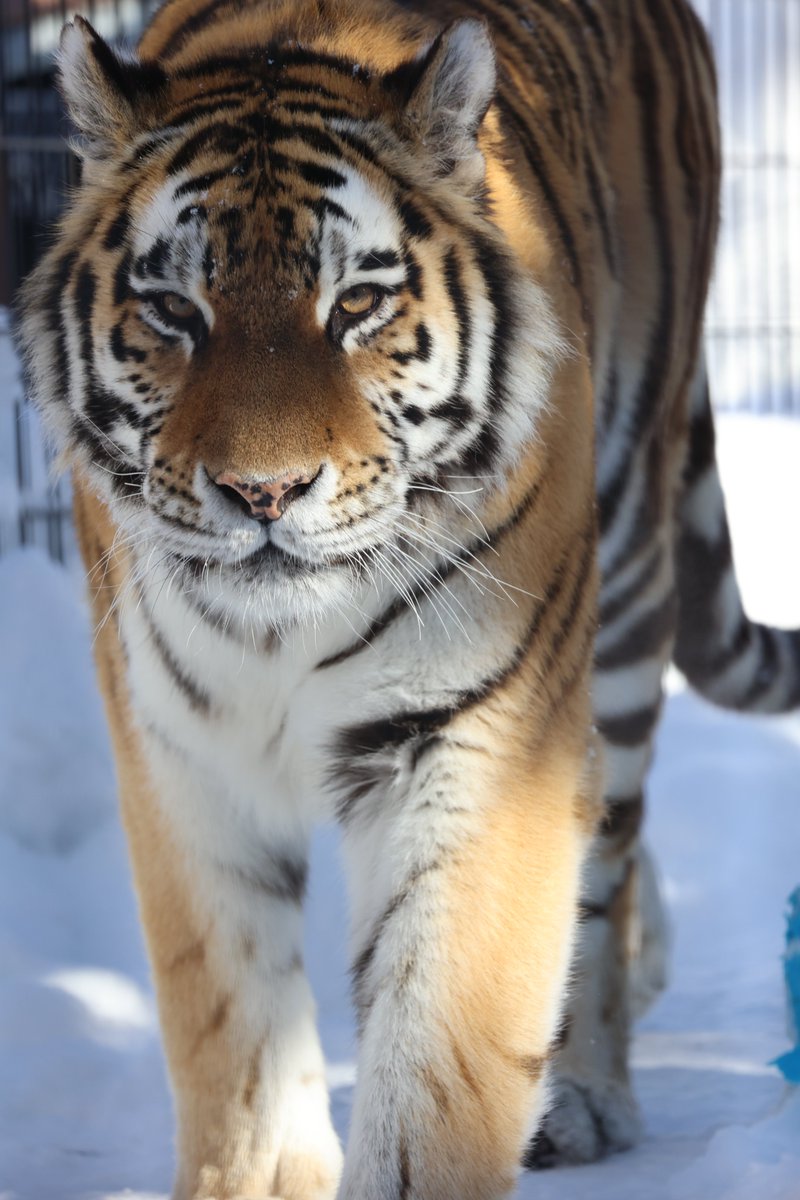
(36, 171)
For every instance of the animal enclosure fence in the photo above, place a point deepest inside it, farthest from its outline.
(753, 323)
(36, 170)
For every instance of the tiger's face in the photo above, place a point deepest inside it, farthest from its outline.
(279, 328)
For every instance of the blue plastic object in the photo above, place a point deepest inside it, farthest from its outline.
(789, 1063)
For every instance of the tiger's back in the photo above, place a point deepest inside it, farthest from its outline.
(346, 308)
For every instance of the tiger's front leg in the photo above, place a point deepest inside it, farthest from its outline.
(237, 1016)
(239, 1025)
(220, 883)
(465, 880)
(221, 905)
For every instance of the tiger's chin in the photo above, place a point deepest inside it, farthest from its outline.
(269, 591)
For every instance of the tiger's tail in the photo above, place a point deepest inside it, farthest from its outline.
(730, 660)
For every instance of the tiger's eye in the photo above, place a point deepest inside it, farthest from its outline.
(177, 306)
(359, 300)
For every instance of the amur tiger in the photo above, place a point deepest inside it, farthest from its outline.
(372, 336)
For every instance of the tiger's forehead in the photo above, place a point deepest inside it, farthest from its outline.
(273, 208)
(273, 164)
(277, 76)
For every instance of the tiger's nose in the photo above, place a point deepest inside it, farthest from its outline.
(266, 500)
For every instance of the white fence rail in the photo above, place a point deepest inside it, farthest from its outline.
(753, 321)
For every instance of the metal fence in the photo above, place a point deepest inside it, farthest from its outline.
(35, 168)
(35, 172)
(753, 321)
(753, 325)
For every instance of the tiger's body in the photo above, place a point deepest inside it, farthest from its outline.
(328, 271)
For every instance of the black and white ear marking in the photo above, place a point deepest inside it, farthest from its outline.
(448, 90)
(104, 94)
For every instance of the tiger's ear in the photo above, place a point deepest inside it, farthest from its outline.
(446, 92)
(106, 96)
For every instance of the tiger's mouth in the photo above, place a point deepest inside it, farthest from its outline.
(265, 557)
(269, 558)
(261, 561)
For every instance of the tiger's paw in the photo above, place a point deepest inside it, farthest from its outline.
(587, 1121)
(305, 1177)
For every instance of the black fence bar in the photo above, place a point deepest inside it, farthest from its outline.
(36, 170)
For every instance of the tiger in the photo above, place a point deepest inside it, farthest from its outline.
(372, 336)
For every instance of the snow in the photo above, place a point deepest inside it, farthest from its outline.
(84, 1104)
(49, 719)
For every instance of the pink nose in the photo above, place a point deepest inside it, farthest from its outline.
(265, 500)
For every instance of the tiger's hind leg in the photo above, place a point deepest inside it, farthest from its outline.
(594, 1112)
(620, 962)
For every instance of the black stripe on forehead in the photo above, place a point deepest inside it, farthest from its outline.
(201, 183)
(205, 108)
(220, 137)
(267, 62)
(199, 19)
(326, 207)
(191, 212)
(319, 175)
(153, 261)
(230, 221)
(277, 130)
(375, 260)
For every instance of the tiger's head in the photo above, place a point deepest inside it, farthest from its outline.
(279, 319)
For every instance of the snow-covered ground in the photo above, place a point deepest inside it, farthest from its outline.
(84, 1106)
